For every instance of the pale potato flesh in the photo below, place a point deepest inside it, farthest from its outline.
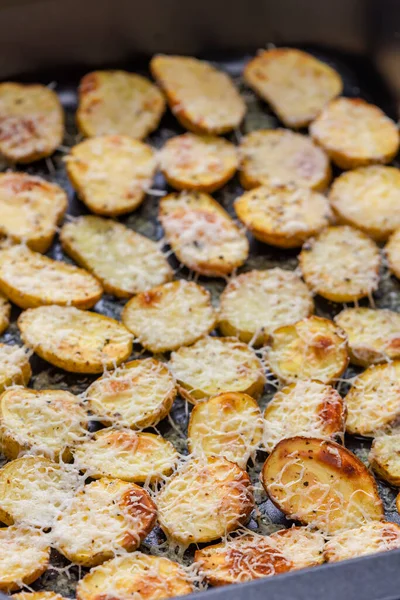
(45, 595)
(368, 539)
(384, 456)
(14, 366)
(5, 311)
(392, 252)
(24, 556)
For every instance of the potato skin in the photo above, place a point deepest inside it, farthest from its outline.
(5, 312)
(392, 252)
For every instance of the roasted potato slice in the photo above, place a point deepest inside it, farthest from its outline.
(30, 209)
(45, 595)
(320, 483)
(132, 263)
(30, 279)
(75, 340)
(313, 348)
(384, 456)
(216, 365)
(368, 539)
(204, 500)
(282, 157)
(392, 252)
(296, 84)
(118, 103)
(202, 234)
(24, 556)
(14, 366)
(137, 395)
(104, 517)
(355, 133)
(31, 122)
(305, 408)
(5, 311)
(341, 264)
(202, 98)
(111, 173)
(255, 303)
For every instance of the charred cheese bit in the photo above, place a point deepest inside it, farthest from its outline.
(282, 157)
(216, 365)
(5, 311)
(136, 576)
(118, 103)
(355, 133)
(132, 263)
(204, 500)
(229, 425)
(202, 98)
(304, 408)
(368, 539)
(169, 316)
(14, 366)
(313, 348)
(30, 209)
(46, 595)
(111, 173)
(24, 556)
(320, 483)
(202, 234)
(294, 83)
(105, 517)
(392, 251)
(75, 340)
(137, 395)
(341, 264)
(31, 122)
(30, 279)
(384, 456)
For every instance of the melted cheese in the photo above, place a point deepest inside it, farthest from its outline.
(368, 539)
(24, 556)
(392, 251)
(14, 366)
(384, 457)
(5, 311)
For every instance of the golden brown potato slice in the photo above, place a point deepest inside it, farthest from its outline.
(384, 456)
(392, 252)
(118, 103)
(313, 348)
(204, 500)
(5, 311)
(282, 157)
(216, 365)
(111, 173)
(30, 209)
(127, 455)
(24, 556)
(47, 422)
(132, 263)
(355, 133)
(296, 84)
(46, 595)
(136, 576)
(14, 366)
(202, 234)
(104, 517)
(320, 483)
(137, 395)
(368, 539)
(304, 408)
(75, 340)
(198, 162)
(341, 264)
(31, 122)
(202, 98)
(229, 425)
(30, 279)
(170, 316)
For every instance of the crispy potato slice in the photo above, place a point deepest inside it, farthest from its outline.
(137, 395)
(313, 348)
(24, 556)
(229, 425)
(341, 264)
(132, 263)
(118, 103)
(47, 422)
(320, 483)
(111, 173)
(216, 365)
(127, 455)
(30, 209)
(282, 157)
(355, 133)
(30, 279)
(136, 576)
(170, 316)
(198, 162)
(14, 366)
(296, 84)
(255, 303)
(384, 456)
(75, 340)
(304, 408)
(202, 234)
(45, 595)
(31, 122)
(392, 252)
(254, 556)
(5, 311)
(204, 500)
(202, 98)
(368, 539)
(106, 516)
